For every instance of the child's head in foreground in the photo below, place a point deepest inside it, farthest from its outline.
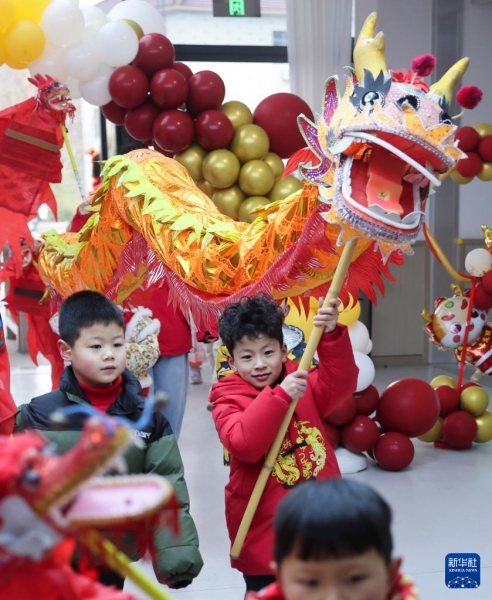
(92, 338)
(333, 540)
(251, 330)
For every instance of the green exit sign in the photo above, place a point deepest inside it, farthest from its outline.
(237, 8)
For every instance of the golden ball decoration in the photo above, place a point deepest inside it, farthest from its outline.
(486, 172)
(192, 160)
(238, 113)
(228, 201)
(474, 399)
(135, 26)
(434, 432)
(250, 142)
(483, 129)
(256, 178)
(484, 432)
(459, 179)
(221, 168)
(443, 380)
(275, 163)
(284, 187)
(205, 187)
(250, 204)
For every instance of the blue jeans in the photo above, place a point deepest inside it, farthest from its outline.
(170, 374)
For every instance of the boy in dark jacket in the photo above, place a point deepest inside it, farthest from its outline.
(249, 406)
(92, 339)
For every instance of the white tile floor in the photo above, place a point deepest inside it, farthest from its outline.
(441, 503)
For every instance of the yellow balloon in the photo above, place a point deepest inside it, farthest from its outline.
(285, 187)
(483, 129)
(205, 187)
(192, 160)
(275, 163)
(484, 433)
(238, 113)
(348, 316)
(30, 9)
(229, 201)
(434, 432)
(250, 142)
(250, 204)
(459, 179)
(135, 26)
(221, 168)
(3, 54)
(474, 399)
(256, 178)
(486, 172)
(7, 13)
(443, 380)
(24, 40)
(13, 63)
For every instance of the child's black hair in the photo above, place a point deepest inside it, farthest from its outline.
(251, 318)
(336, 518)
(84, 309)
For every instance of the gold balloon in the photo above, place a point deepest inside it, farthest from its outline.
(474, 399)
(256, 178)
(250, 142)
(192, 160)
(484, 423)
(486, 172)
(205, 187)
(275, 163)
(459, 179)
(443, 380)
(229, 200)
(483, 129)
(221, 168)
(135, 26)
(285, 187)
(434, 432)
(250, 204)
(238, 113)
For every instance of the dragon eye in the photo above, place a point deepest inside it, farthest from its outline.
(455, 328)
(445, 118)
(410, 100)
(31, 478)
(371, 98)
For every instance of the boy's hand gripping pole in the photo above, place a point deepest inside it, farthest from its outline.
(307, 357)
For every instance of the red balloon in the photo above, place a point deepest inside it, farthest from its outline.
(331, 434)
(360, 435)
(469, 166)
(367, 401)
(173, 130)
(155, 52)
(168, 88)
(213, 130)
(183, 69)
(449, 399)
(458, 429)
(467, 138)
(409, 406)
(207, 90)
(128, 86)
(114, 113)
(344, 413)
(277, 114)
(394, 451)
(487, 282)
(139, 121)
(469, 384)
(157, 148)
(485, 148)
(483, 300)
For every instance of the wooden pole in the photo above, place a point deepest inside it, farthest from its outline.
(271, 457)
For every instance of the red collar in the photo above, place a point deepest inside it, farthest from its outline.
(102, 398)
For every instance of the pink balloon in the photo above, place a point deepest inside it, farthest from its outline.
(168, 88)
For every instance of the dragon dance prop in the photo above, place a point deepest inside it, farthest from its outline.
(48, 501)
(379, 147)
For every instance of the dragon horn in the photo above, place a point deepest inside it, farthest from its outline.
(369, 50)
(445, 86)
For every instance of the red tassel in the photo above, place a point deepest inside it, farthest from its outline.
(469, 96)
(424, 65)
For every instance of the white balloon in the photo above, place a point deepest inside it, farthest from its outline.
(117, 44)
(368, 348)
(63, 22)
(96, 91)
(359, 336)
(367, 371)
(50, 63)
(73, 85)
(143, 13)
(94, 18)
(478, 262)
(81, 60)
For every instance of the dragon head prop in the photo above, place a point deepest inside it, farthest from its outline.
(53, 97)
(381, 145)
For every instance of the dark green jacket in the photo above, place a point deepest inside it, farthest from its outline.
(178, 559)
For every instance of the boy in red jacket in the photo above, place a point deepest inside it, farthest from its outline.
(333, 540)
(249, 406)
